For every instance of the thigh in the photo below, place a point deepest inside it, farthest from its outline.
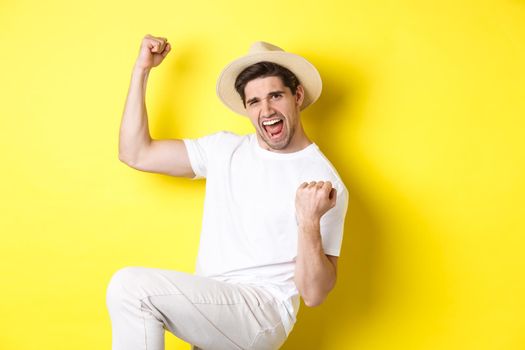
(213, 314)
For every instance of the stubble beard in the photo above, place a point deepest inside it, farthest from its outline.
(280, 145)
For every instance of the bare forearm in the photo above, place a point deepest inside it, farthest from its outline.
(315, 275)
(134, 130)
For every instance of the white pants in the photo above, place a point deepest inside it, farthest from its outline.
(209, 314)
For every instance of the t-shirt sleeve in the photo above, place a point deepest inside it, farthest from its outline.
(332, 223)
(200, 152)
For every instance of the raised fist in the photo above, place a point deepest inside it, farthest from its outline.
(153, 50)
(314, 199)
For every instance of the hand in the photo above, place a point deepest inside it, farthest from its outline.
(153, 50)
(313, 200)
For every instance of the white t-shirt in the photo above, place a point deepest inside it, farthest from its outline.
(249, 227)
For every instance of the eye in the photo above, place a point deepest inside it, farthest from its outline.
(276, 96)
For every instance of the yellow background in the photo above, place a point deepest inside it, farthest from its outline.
(422, 113)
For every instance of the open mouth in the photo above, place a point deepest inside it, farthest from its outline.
(273, 127)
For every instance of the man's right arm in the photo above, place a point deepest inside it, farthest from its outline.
(136, 147)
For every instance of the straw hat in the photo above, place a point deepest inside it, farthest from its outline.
(261, 51)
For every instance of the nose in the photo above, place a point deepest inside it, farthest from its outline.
(266, 109)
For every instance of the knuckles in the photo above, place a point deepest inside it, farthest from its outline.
(316, 190)
(313, 186)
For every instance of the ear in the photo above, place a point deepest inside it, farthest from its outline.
(299, 96)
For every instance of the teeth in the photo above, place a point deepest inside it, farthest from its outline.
(271, 122)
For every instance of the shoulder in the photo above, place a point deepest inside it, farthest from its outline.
(323, 168)
(227, 140)
(219, 139)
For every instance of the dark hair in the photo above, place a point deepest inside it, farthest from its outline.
(262, 70)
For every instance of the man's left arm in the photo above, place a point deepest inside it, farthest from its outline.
(315, 272)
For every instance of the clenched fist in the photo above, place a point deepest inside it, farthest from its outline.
(314, 199)
(153, 50)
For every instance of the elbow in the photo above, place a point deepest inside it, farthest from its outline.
(313, 301)
(313, 297)
(126, 159)
(133, 156)
(123, 158)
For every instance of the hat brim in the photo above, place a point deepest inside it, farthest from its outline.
(307, 74)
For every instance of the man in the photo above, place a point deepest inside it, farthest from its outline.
(273, 214)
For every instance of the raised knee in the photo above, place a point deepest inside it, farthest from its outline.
(122, 285)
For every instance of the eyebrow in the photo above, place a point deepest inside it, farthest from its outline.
(271, 93)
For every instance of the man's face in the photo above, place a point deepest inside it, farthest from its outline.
(273, 111)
